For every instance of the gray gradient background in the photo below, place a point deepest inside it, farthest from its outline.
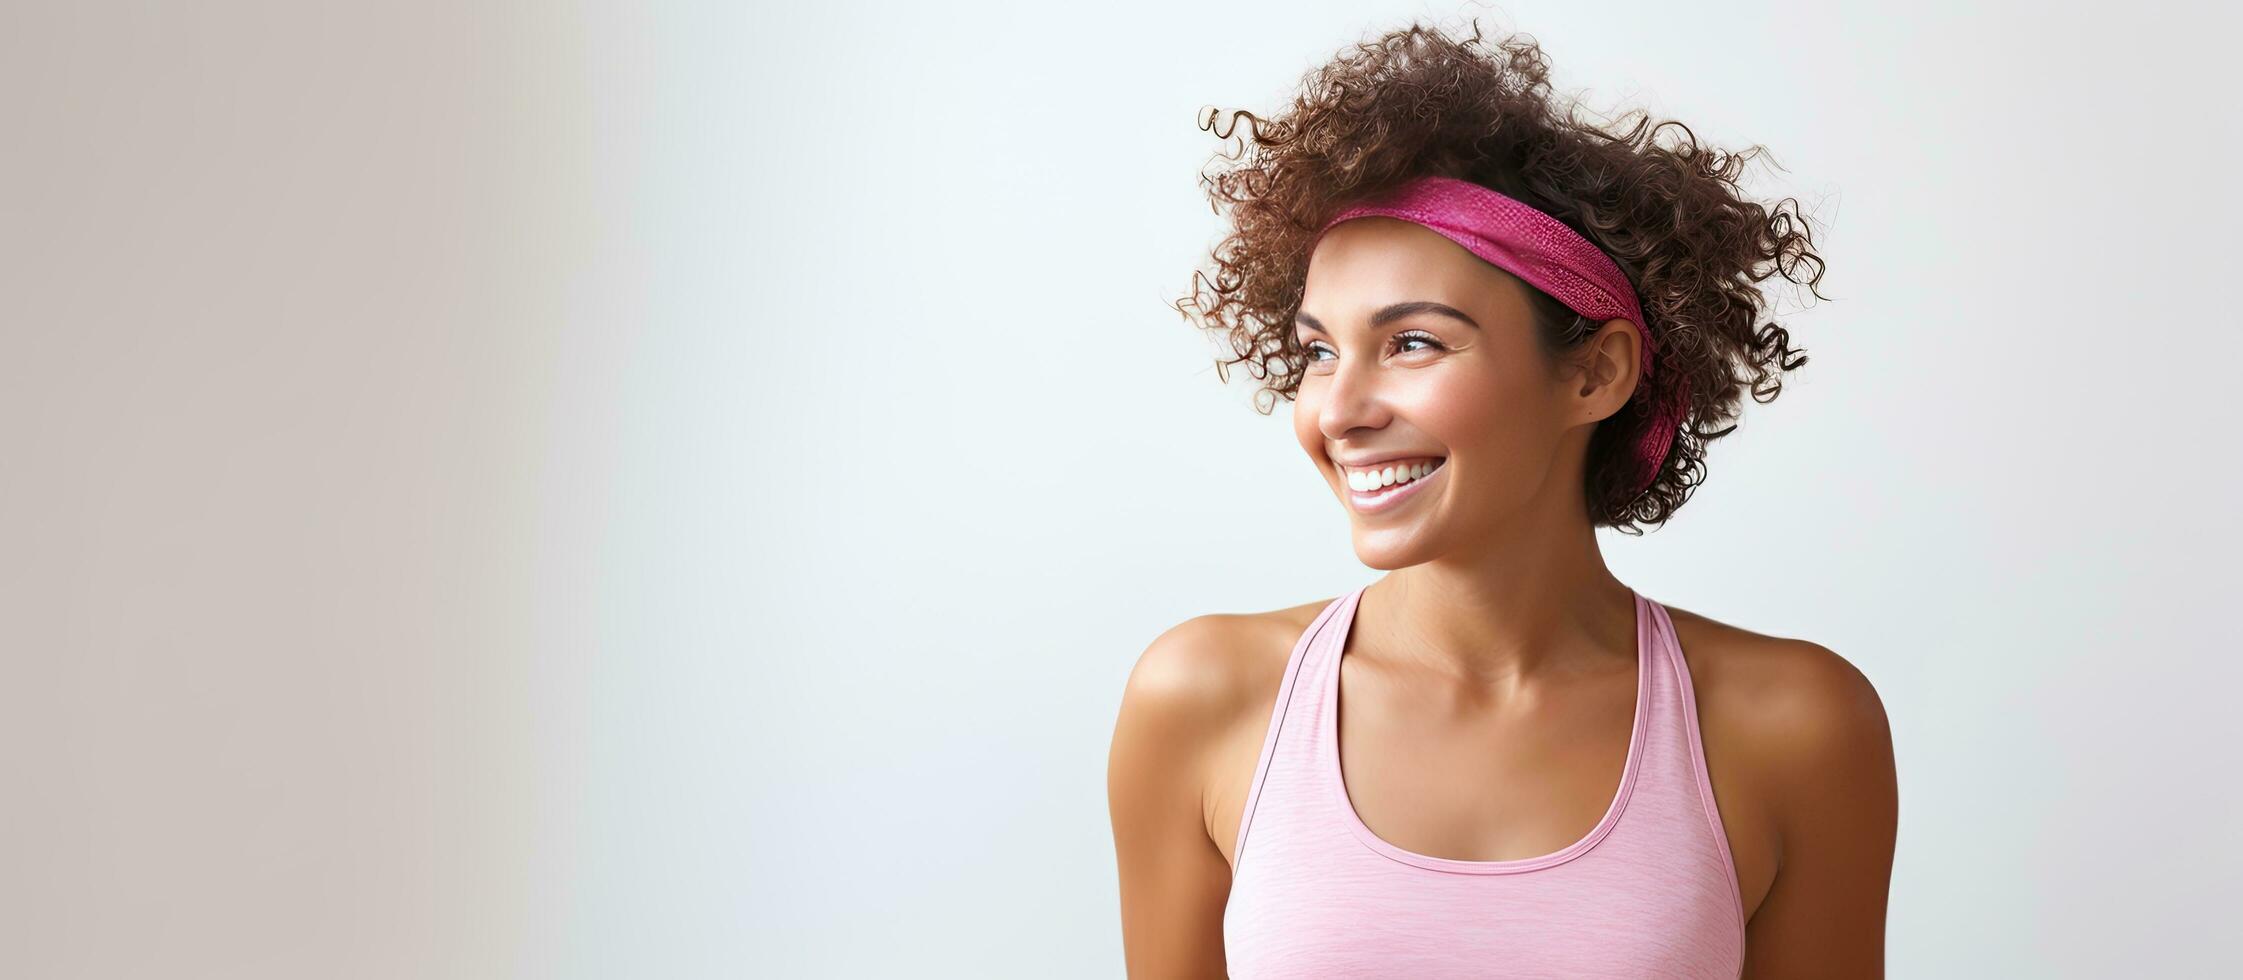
(666, 490)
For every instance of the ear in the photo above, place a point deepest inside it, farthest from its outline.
(1611, 363)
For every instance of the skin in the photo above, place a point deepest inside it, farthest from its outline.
(1498, 652)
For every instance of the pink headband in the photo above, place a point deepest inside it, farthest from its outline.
(1549, 256)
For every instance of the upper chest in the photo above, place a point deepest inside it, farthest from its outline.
(1434, 780)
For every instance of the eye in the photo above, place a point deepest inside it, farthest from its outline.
(1416, 336)
(1313, 348)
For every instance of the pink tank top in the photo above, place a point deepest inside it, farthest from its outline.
(1650, 892)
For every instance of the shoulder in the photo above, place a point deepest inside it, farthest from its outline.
(1178, 709)
(1200, 674)
(1808, 720)
(1801, 696)
(1799, 736)
(1193, 690)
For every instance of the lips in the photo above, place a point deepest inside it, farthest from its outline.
(1390, 497)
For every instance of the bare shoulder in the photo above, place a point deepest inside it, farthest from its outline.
(1797, 700)
(1170, 781)
(1800, 753)
(1206, 670)
(1200, 699)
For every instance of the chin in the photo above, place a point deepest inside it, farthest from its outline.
(1389, 549)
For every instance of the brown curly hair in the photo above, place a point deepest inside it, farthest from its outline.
(1417, 101)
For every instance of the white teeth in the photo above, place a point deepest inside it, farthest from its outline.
(1364, 481)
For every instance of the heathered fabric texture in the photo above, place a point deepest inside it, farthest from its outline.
(1650, 892)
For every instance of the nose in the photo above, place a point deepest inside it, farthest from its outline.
(1353, 399)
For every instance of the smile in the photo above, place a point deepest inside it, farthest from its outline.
(1385, 487)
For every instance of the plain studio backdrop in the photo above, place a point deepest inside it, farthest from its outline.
(663, 490)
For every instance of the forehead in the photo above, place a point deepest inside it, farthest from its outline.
(1364, 263)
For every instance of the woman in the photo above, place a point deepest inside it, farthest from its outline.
(1501, 328)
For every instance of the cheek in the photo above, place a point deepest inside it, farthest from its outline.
(1494, 415)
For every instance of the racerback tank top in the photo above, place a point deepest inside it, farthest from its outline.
(1651, 891)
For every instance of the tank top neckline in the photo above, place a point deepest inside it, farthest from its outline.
(1328, 746)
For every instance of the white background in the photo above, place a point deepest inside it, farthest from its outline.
(668, 490)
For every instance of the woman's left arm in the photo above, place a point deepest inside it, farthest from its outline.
(1829, 747)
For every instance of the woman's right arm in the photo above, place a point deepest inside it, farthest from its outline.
(1174, 881)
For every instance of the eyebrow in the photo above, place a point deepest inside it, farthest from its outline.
(1389, 314)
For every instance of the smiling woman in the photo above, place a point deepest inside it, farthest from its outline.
(1501, 328)
(1665, 216)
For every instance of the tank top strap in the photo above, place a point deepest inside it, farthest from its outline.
(1671, 767)
(1286, 768)
(1315, 891)
(1678, 753)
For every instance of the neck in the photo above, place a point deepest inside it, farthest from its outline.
(1541, 604)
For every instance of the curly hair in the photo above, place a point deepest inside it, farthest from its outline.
(1417, 101)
